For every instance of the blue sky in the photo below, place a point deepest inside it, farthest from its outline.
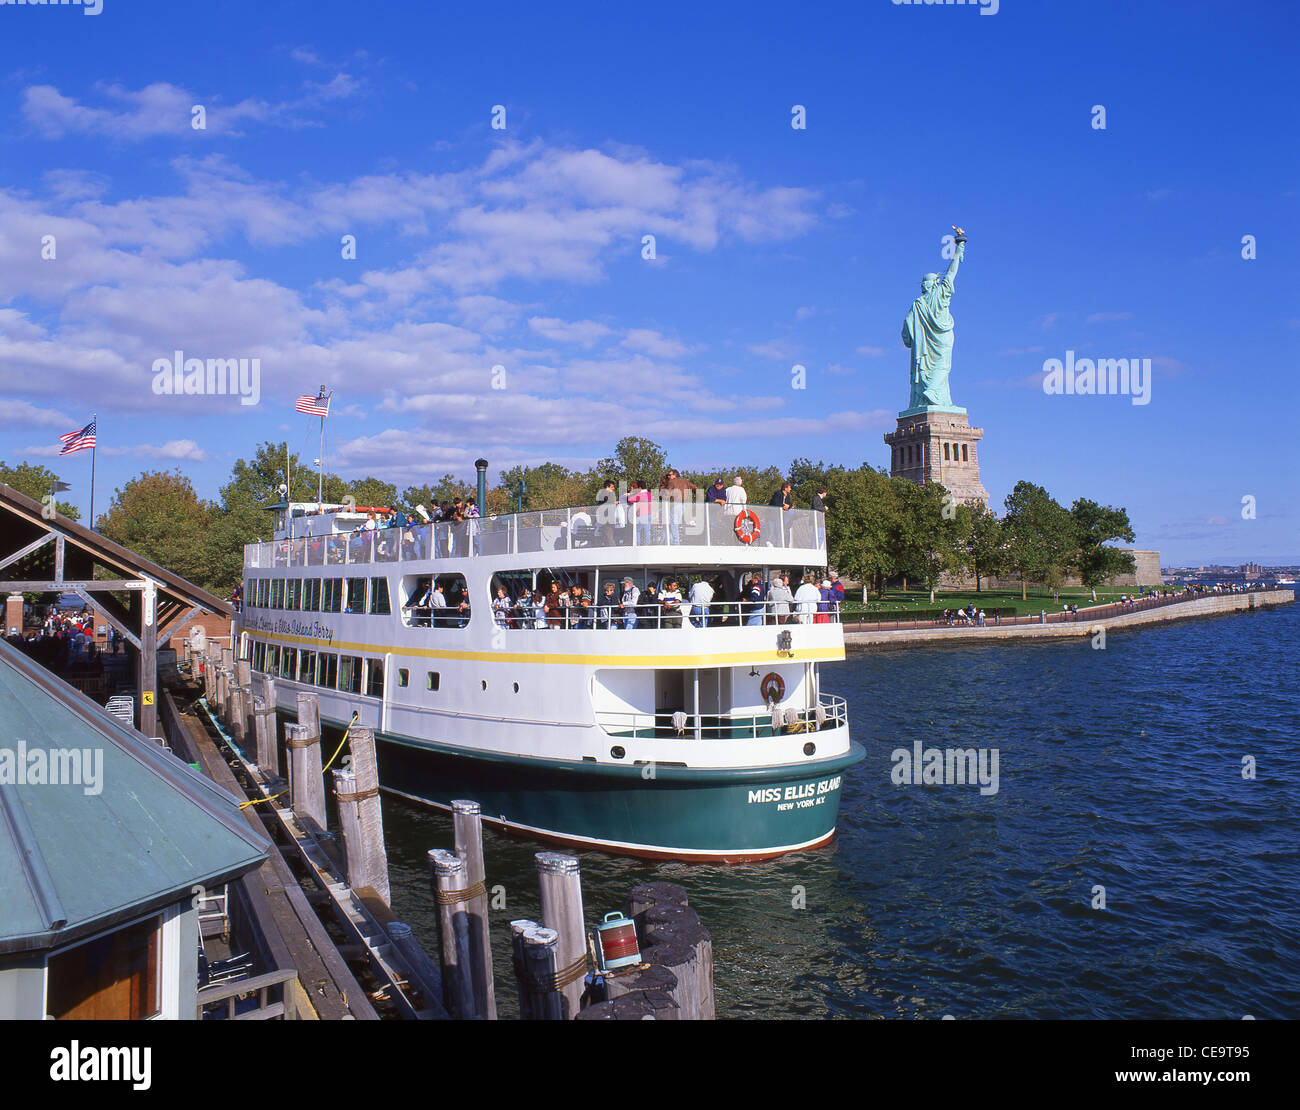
(522, 247)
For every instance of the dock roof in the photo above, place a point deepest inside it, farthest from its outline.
(72, 862)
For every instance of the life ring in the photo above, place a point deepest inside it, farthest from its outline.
(747, 527)
(772, 687)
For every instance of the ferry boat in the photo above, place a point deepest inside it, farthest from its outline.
(624, 728)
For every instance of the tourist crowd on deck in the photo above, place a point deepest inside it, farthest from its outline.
(671, 601)
(620, 519)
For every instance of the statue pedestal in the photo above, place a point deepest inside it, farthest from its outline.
(938, 445)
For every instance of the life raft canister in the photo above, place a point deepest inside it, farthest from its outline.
(772, 687)
(747, 526)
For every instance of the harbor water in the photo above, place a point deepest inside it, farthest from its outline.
(1120, 776)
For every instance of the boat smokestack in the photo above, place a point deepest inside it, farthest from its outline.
(481, 466)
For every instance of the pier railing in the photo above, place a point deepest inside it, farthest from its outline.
(754, 528)
(1091, 613)
(830, 712)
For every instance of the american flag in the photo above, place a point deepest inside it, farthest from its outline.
(79, 440)
(314, 406)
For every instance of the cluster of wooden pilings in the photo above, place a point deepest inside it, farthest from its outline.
(558, 975)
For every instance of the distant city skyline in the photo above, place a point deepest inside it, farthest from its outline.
(443, 215)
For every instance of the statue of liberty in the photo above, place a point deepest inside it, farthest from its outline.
(928, 331)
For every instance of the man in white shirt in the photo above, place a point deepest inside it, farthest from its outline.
(701, 599)
(736, 493)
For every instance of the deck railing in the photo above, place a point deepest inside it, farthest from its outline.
(830, 712)
(663, 524)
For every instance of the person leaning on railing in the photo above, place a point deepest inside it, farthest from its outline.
(671, 600)
(779, 600)
(755, 600)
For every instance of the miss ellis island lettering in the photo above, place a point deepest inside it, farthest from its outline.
(803, 796)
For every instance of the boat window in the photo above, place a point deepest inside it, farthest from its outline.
(356, 596)
(310, 595)
(379, 596)
(350, 674)
(292, 592)
(439, 601)
(306, 666)
(403, 676)
(375, 678)
(331, 600)
(327, 669)
(431, 680)
(273, 659)
(289, 662)
(277, 593)
(259, 656)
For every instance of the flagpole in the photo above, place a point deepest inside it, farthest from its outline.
(94, 419)
(320, 475)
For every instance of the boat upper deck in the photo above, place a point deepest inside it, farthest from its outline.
(693, 531)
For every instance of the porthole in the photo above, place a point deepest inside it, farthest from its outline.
(617, 751)
(810, 748)
(485, 684)
(516, 687)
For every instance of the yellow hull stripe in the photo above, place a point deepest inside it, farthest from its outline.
(714, 660)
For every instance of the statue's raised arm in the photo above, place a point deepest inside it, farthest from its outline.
(957, 256)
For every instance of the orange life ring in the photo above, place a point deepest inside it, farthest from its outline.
(772, 687)
(747, 527)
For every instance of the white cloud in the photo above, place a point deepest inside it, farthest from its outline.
(1107, 317)
(653, 344)
(871, 352)
(780, 349)
(582, 333)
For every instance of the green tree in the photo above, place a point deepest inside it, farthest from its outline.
(548, 486)
(635, 458)
(159, 516)
(980, 547)
(926, 531)
(374, 493)
(447, 488)
(1040, 536)
(1095, 526)
(36, 482)
(860, 525)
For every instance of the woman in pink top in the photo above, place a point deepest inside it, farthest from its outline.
(639, 498)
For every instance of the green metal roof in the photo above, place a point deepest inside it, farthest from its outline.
(73, 863)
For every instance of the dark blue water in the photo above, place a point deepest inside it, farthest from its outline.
(1119, 768)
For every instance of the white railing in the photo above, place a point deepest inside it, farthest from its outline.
(830, 712)
(645, 524)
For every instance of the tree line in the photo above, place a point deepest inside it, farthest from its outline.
(879, 529)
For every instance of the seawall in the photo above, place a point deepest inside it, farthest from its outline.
(1066, 630)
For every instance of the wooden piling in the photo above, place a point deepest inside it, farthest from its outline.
(273, 731)
(517, 930)
(542, 966)
(244, 718)
(646, 1006)
(365, 854)
(467, 825)
(447, 873)
(560, 881)
(425, 976)
(309, 712)
(644, 895)
(681, 961)
(696, 937)
(647, 977)
(264, 735)
(306, 783)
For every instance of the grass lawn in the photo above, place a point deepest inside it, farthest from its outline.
(918, 601)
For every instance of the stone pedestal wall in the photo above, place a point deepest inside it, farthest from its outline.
(938, 447)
